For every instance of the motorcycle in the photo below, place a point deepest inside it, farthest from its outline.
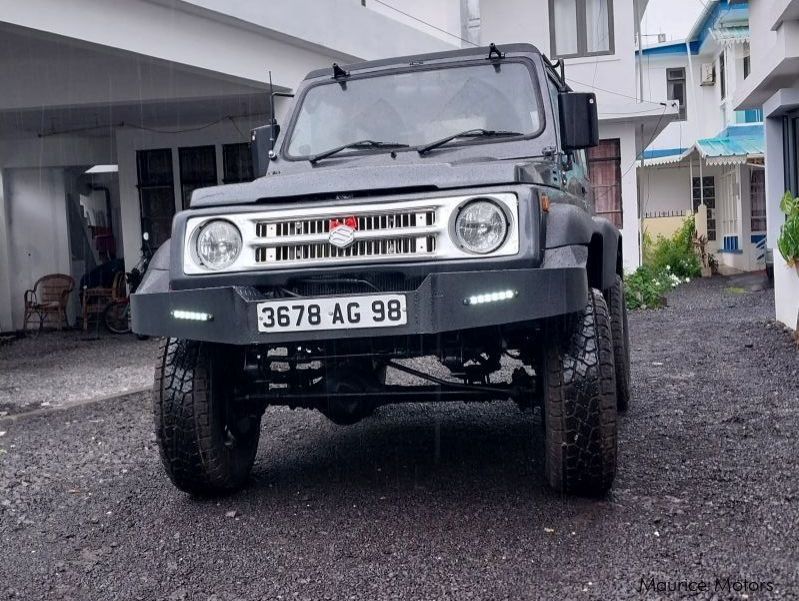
(116, 316)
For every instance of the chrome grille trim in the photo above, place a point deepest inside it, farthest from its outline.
(320, 226)
(383, 247)
(409, 230)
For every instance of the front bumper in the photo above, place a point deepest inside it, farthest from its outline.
(436, 306)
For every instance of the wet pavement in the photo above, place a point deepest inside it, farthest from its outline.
(56, 369)
(438, 501)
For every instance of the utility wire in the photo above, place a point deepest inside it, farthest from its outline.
(410, 16)
(582, 83)
(230, 118)
(645, 146)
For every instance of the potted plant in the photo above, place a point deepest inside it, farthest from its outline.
(788, 242)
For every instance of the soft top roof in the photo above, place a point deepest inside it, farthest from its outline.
(478, 51)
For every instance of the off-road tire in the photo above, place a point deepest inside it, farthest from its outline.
(580, 403)
(621, 342)
(207, 443)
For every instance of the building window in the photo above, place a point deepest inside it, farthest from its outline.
(197, 170)
(722, 77)
(156, 193)
(675, 88)
(604, 171)
(581, 27)
(747, 60)
(757, 191)
(236, 163)
(705, 189)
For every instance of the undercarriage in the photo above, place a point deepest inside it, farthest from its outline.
(347, 382)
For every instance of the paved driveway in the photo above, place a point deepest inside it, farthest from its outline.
(387, 509)
(57, 369)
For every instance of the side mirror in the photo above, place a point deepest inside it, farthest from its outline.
(579, 121)
(262, 141)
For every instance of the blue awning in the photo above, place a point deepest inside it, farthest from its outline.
(731, 35)
(659, 153)
(735, 145)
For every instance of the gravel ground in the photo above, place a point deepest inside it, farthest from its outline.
(707, 489)
(61, 368)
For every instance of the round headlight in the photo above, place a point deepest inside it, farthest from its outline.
(218, 244)
(481, 226)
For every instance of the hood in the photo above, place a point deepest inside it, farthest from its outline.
(376, 178)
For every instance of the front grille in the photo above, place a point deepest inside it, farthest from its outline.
(292, 237)
(369, 223)
(395, 235)
(385, 247)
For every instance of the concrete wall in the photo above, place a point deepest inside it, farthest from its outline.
(36, 218)
(5, 259)
(629, 190)
(505, 21)
(442, 14)
(786, 292)
(774, 86)
(763, 39)
(665, 227)
(786, 279)
(240, 39)
(704, 117)
(706, 114)
(56, 151)
(666, 188)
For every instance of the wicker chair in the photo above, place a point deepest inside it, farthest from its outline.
(48, 297)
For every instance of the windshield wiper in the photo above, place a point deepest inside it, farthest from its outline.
(356, 145)
(469, 133)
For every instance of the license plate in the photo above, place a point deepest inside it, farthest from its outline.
(295, 315)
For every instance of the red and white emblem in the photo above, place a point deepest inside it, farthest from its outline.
(342, 232)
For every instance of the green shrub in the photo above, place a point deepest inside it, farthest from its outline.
(645, 287)
(788, 242)
(676, 254)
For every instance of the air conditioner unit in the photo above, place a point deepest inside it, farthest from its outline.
(708, 74)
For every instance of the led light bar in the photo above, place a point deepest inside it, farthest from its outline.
(491, 297)
(191, 315)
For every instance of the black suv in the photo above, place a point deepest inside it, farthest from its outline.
(433, 205)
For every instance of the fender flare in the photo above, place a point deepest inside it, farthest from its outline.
(604, 254)
(568, 225)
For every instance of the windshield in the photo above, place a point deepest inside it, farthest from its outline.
(417, 108)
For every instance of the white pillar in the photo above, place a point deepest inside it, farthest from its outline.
(775, 179)
(5, 265)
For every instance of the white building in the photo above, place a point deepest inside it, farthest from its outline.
(774, 86)
(714, 154)
(597, 40)
(165, 91)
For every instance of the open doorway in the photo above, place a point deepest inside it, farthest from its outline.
(95, 230)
